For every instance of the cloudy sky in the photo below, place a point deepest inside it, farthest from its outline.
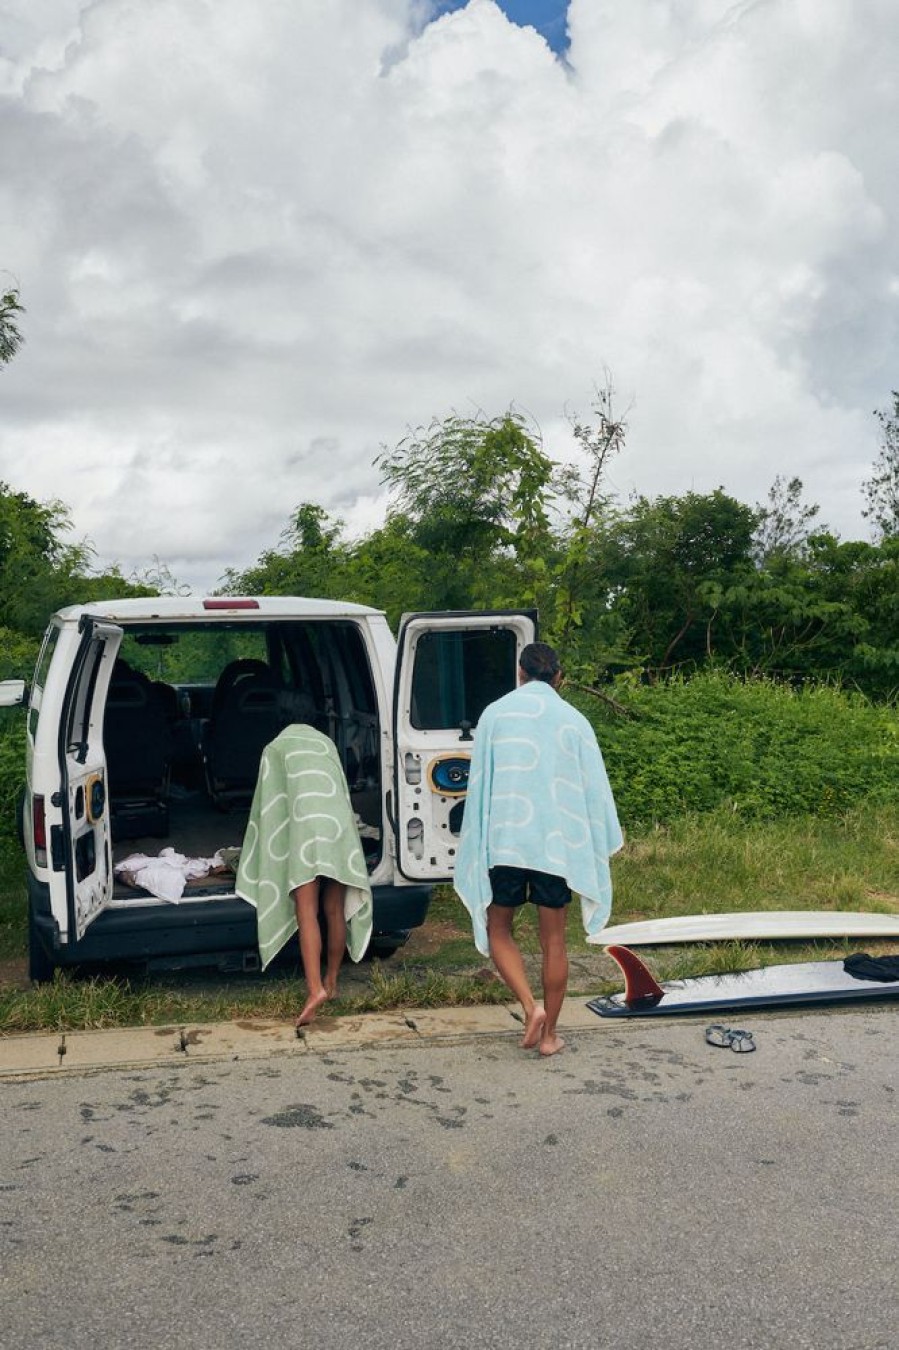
(259, 239)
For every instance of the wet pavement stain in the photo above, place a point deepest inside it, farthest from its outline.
(355, 1232)
(846, 1108)
(591, 1088)
(127, 1201)
(302, 1116)
(178, 1240)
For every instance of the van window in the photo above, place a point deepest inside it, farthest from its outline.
(51, 638)
(186, 655)
(458, 672)
(354, 659)
(77, 731)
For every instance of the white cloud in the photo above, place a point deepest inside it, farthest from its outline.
(257, 242)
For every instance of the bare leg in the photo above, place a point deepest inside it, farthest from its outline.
(509, 962)
(333, 904)
(555, 974)
(306, 900)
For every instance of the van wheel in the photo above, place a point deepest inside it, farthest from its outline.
(41, 966)
(383, 948)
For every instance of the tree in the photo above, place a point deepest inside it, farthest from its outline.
(670, 562)
(785, 523)
(389, 568)
(784, 618)
(881, 490)
(10, 334)
(34, 559)
(309, 559)
(862, 579)
(579, 581)
(475, 493)
(41, 570)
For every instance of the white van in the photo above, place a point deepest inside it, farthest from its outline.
(146, 721)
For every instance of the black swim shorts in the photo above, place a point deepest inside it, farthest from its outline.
(512, 886)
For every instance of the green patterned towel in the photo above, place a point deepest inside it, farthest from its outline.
(302, 826)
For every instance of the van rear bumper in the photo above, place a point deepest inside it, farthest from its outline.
(209, 928)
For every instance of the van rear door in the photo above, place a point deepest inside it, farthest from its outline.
(81, 875)
(449, 667)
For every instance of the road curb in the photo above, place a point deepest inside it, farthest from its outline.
(51, 1054)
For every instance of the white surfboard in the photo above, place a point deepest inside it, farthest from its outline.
(751, 926)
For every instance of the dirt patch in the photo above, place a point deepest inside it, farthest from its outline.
(428, 940)
(14, 973)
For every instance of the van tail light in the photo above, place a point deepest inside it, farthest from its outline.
(39, 830)
(230, 604)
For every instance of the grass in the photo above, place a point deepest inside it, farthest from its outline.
(706, 863)
(716, 864)
(71, 1003)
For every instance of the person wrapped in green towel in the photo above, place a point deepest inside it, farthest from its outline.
(302, 856)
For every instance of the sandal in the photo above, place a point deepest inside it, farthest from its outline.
(717, 1034)
(740, 1042)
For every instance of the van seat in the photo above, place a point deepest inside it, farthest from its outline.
(138, 742)
(247, 714)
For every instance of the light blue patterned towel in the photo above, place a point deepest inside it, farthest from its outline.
(538, 797)
(302, 826)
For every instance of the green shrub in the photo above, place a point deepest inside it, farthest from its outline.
(12, 770)
(760, 749)
(18, 655)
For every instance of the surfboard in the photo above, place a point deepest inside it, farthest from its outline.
(807, 982)
(750, 926)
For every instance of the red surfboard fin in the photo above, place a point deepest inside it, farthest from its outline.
(641, 988)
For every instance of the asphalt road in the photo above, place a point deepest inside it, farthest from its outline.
(640, 1189)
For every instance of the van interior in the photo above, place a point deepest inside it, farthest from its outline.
(189, 711)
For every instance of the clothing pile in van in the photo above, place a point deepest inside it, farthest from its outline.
(167, 875)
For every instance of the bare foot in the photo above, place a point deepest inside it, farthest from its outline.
(533, 1027)
(311, 1007)
(551, 1044)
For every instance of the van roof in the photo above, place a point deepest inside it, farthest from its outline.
(175, 608)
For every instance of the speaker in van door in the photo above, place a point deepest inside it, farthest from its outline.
(448, 775)
(96, 798)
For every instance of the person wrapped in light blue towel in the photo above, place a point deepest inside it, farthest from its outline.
(302, 857)
(539, 823)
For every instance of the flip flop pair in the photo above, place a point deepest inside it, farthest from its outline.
(740, 1042)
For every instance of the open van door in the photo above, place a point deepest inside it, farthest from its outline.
(449, 667)
(78, 830)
